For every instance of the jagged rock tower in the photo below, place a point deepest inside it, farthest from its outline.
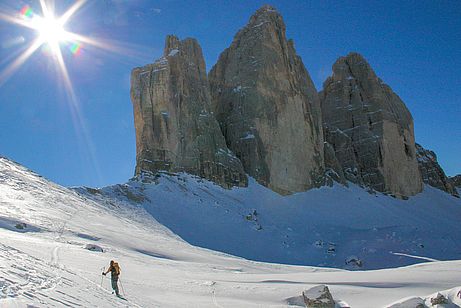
(175, 129)
(268, 107)
(431, 171)
(370, 129)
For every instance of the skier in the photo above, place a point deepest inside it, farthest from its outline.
(114, 270)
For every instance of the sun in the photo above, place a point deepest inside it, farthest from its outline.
(50, 30)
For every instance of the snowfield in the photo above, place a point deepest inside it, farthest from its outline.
(340, 227)
(51, 239)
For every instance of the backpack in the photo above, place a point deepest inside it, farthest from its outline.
(116, 268)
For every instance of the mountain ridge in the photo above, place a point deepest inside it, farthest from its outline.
(276, 126)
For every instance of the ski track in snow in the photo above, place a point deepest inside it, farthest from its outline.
(415, 257)
(22, 274)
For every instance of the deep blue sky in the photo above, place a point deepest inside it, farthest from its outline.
(414, 46)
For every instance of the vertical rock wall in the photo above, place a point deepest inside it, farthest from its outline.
(175, 128)
(268, 107)
(370, 129)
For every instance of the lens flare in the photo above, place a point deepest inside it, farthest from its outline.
(50, 29)
(75, 48)
(26, 11)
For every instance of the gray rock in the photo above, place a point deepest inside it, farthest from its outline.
(431, 171)
(370, 129)
(455, 180)
(333, 168)
(318, 297)
(175, 128)
(267, 106)
(439, 300)
(93, 247)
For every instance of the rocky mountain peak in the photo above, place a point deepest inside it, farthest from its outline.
(354, 65)
(258, 112)
(265, 14)
(175, 128)
(264, 26)
(171, 43)
(265, 9)
(370, 129)
(268, 107)
(189, 47)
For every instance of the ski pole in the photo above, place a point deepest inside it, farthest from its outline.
(102, 276)
(121, 284)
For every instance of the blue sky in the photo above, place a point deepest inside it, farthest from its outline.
(414, 46)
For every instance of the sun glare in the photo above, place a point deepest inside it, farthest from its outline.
(51, 30)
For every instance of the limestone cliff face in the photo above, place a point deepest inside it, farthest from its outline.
(267, 106)
(175, 128)
(370, 129)
(333, 169)
(431, 171)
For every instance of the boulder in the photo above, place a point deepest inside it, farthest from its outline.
(318, 297)
(93, 247)
(370, 129)
(439, 299)
(431, 171)
(176, 130)
(354, 261)
(267, 106)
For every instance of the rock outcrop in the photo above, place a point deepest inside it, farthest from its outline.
(431, 171)
(268, 107)
(318, 297)
(370, 129)
(175, 128)
(455, 180)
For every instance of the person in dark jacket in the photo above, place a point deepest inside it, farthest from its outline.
(114, 270)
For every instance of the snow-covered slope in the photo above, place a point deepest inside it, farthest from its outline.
(330, 226)
(45, 229)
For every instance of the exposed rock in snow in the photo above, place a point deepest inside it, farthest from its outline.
(260, 85)
(93, 247)
(354, 261)
(17, 225)
(448, 298)
(318, 297)
(439, 299)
